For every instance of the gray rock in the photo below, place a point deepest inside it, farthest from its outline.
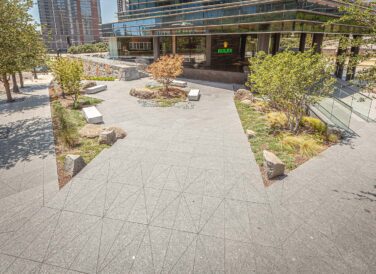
(119, 132)
(73, 164)
(250, 133)
(246, 102)
(273, 165)
(107, 137)
(243, 94)
(130, 74)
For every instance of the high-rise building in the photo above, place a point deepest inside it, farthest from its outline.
(69, 22)
(123, 6)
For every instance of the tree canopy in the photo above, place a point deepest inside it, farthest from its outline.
(291, 81)
(21, 46)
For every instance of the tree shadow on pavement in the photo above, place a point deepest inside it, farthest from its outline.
(29, 102)
(26, 139)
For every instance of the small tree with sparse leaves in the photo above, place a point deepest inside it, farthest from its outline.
(291, 81)
(166, 69)
(68, 74)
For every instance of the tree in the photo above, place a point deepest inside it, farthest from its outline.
(68, 74)
(291, 81)
(359, 13)
(166, 69)
(18, 38)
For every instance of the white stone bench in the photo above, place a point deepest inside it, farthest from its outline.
(92, 115)
(96, 89)
(194, 95)
(178, 83)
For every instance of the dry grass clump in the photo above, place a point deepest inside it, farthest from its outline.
(305, 145)
(277, 120)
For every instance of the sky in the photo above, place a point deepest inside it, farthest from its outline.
(108, 8)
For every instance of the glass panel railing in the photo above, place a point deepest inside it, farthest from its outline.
(336, 111)
(360, 103)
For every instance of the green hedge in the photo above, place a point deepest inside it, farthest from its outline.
(89, 48)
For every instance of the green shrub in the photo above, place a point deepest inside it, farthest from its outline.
(314, 124)
(99, 78)
(88, 48)
(67, 130)
(333, 138)
(277, 120)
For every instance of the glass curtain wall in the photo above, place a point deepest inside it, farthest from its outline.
(192, 48)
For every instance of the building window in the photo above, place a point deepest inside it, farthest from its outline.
(140, 46)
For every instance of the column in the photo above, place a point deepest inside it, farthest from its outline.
(173, 40)
(302, 42)
(156, 47)
(243, 42)
(263, 42)
(113, 47)
(351, 68)
(208, 50)
(340, 60)
(317, 40)
(276, 41)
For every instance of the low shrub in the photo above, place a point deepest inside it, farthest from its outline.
(67, 130)
(99, 78)
(277, 120)
(332, 138)
(314, 124)
(88, 48)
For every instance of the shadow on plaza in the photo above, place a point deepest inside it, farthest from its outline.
(26, 139)
(26, 102)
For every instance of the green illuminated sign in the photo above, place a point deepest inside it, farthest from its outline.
(224, 51)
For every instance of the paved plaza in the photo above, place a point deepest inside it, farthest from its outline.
(183, 194)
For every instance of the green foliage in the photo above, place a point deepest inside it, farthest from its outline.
(314, 124)
(68, 73)
(21, 46)
(89, 101)
(66, 128)
(333, 138)
(277, 120)
(291, 81)
(89, 48)
(99, 78)
(360, 13)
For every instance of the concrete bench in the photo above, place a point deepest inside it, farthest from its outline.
(96, 89)
(178, 83)
(194, 95)
(92, 115)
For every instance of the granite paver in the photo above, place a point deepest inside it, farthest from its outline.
(183, 194)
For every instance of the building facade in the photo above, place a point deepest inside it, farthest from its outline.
(69, 22)
(221, 35)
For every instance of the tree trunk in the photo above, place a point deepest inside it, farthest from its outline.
(21, 79)
(35, 73)
(7, 88)
(15, 85)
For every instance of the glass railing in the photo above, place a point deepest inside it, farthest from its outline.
(360, 103)
(336, 111)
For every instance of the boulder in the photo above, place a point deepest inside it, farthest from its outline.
(246, 102)
(73, 164)
(107, 137)
(90, 131)
(142, 93)
(250, 133)
(88, 84)
(119, 132)
(243, 94)
(273, 165)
